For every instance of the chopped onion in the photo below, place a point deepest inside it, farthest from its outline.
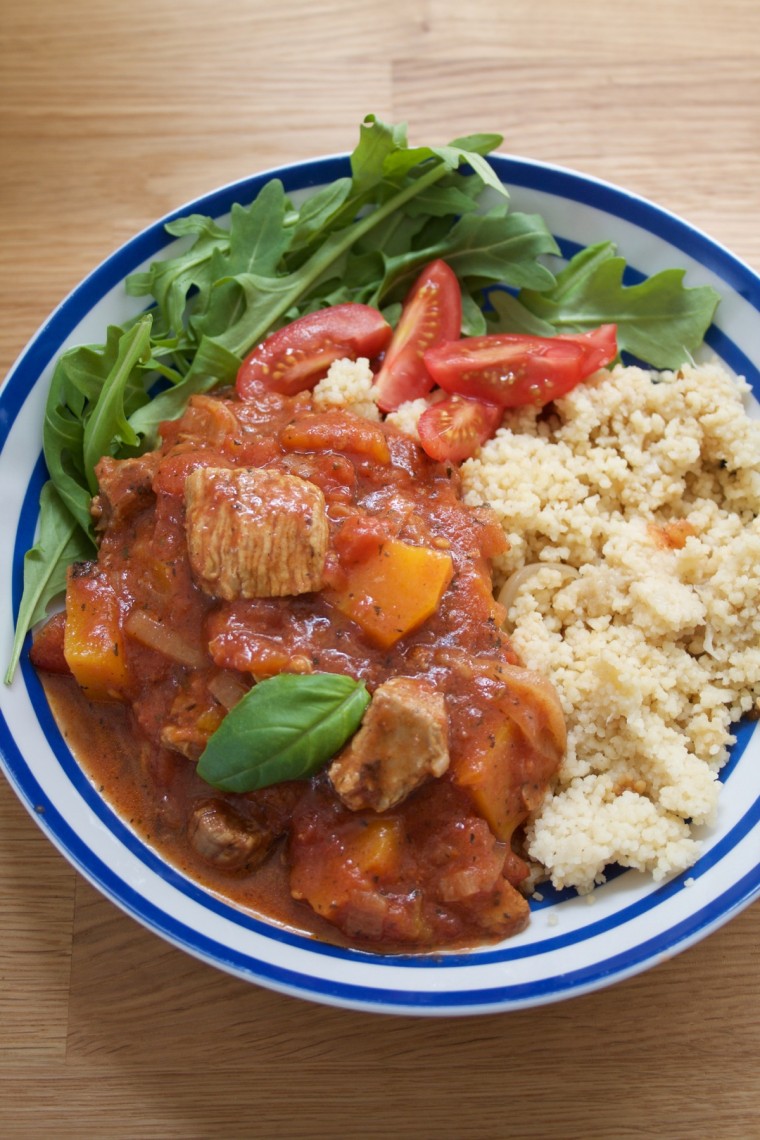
(516, 581)
(458, 885)
(228, 688)
(155, 635)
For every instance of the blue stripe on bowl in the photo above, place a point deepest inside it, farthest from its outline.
(39, 354)
(639, 212)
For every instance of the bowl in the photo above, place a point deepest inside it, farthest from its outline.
(573, 944)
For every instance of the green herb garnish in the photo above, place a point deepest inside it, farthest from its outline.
(285, 728)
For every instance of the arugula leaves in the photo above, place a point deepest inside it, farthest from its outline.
(92, 394)
(660, 321)
(362, 238)
(61, 541)
(285, 728)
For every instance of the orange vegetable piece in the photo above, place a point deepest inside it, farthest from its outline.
(93, 643)
(375, 849)
(493, 777)
(394, 590)
(336, 431)
(672, 535)
(346, 862)
(510, 763)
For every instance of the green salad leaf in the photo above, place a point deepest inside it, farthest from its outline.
(285, 728)
(93, 392)
(659, 320)
(169, 281)
(61, 541)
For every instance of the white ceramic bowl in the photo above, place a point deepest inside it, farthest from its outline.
(570, 947)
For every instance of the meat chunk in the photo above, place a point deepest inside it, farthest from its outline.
(255, 533)
(224, 839)
(402, 742)
(125, 486)
(194, 715)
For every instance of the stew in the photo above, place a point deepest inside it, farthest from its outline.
(265, 538)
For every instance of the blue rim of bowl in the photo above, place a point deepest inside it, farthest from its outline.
(44, 346)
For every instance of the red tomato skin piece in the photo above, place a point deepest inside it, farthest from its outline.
(513, 369)
(600, 343)
(432, 313)
(297, 356)
(452, 430)
(46, 652)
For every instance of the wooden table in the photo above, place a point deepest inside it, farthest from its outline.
(113, 114)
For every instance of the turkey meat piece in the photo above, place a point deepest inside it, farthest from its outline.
(255, 533)
(403, 741)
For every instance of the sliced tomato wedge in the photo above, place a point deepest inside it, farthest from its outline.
(299, 354)
(600, 344)
(432, 313)
(512, 369)
(453, 429)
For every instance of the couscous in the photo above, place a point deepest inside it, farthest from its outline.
(632, 580)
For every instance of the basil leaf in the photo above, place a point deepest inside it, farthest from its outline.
(284, 728)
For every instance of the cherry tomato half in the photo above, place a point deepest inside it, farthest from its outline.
(296, 356)
(512, 369)
(432, 313)
(454, 428)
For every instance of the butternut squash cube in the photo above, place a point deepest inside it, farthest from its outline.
(93, 642)
(393, 591)
(493, 776)
(375, 847)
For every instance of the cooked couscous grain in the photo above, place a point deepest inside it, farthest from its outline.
(348, 384)
(632, 510)
(406, 416)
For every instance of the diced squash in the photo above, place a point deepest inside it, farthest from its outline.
(394, 590)
(209, 720)
(492, 776)
(375, 848)
(339, 869)
(509, 763)
(93, 643)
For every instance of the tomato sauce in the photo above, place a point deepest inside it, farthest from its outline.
(440, 869)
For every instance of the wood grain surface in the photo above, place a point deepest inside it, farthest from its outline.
(115, 113)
